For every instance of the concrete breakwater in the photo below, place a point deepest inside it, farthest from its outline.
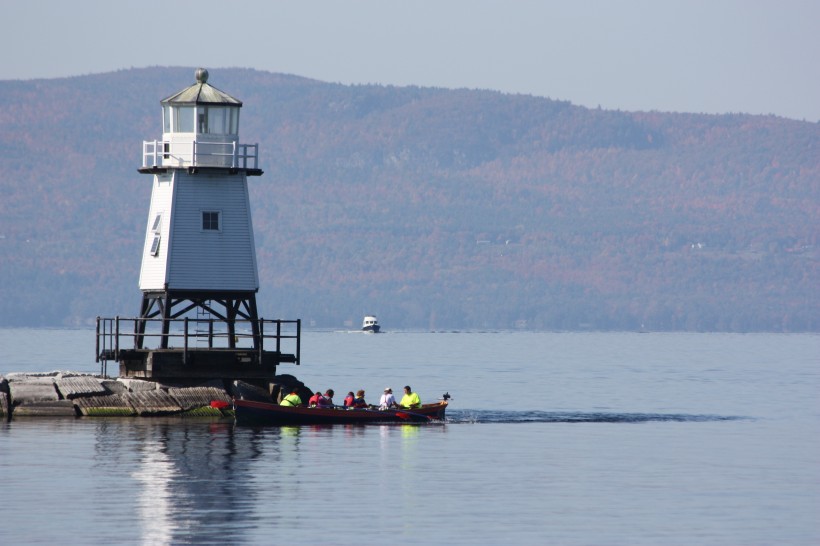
(71, 394)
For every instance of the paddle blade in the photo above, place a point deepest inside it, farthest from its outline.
(412, 416)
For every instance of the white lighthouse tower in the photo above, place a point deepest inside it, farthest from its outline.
(199, 239)
(198, 275)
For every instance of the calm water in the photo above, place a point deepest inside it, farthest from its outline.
(553, 438)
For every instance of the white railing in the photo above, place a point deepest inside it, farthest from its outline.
(164, 153)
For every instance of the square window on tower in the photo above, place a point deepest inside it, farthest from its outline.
(210, 220)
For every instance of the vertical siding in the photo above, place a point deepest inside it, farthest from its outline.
(211, 260)
(153, 269)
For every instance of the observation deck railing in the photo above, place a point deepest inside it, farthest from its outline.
(117, 334)
(233, 155)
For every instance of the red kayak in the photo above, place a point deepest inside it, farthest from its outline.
(249, 412)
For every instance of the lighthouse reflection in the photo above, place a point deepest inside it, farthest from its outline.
(190, 481)
(193, 481)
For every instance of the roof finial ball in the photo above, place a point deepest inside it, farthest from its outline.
(201, 75)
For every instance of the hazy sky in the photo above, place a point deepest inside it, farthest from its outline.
(713, 56)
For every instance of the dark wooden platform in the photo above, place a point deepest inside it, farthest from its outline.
(201, 364)
(183, 350)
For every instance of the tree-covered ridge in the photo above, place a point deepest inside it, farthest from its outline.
(432, 208)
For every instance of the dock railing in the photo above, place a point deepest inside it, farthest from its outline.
(119, 333)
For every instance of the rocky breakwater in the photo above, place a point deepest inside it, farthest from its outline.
(72, 394)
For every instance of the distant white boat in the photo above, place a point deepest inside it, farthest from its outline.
(370, 324)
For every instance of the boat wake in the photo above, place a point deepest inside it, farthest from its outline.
(489, 416)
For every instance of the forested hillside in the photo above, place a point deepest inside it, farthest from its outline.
(432, 208)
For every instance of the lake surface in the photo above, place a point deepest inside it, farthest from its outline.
(558, 438)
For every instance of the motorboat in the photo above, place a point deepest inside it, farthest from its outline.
(370, 324)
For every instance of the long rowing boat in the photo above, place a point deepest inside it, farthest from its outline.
(250, 412)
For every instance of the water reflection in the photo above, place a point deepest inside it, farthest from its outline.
(193, 480)
(155, 474)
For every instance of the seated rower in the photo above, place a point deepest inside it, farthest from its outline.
(359, 402)
(387, 400)
(314, 400)
(410, 399)
(349, 400)
(292, 399)
(326, 401)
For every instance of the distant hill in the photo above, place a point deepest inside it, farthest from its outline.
(432, 208)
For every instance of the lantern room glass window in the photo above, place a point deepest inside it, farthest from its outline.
(213, 120)
(233, 121)
(183, 119)
(166, 119)
(217, 120)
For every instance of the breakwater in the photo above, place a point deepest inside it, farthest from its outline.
(72, 394)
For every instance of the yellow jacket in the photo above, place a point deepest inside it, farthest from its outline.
(291, 400)
(410, 401)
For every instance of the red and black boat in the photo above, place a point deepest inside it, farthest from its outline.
(250, 412)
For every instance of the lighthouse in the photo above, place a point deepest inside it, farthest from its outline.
(198, 276)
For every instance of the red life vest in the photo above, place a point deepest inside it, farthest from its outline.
(348, 401)
(314, 400)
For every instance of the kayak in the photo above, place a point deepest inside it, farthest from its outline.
(250, 412)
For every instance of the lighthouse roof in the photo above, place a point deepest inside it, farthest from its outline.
(201, 93)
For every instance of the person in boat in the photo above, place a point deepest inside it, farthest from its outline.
(410, 399)
(387, 400)
(349, 400)
(292, 399)
(326, 400)
(359, 402)
(314, 400)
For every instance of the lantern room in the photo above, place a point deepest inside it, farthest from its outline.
(200, 128)
(200, 109)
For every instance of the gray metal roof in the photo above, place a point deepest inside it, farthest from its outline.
(201, 93)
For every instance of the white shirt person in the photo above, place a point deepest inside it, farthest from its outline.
(387, 400)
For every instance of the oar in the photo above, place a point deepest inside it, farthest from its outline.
(409, 416)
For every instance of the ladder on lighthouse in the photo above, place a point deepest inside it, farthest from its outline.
(204, 327)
